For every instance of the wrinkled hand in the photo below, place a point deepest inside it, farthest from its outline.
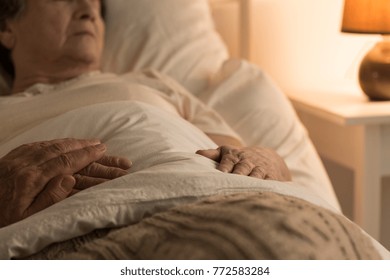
(38, 175)
(100, 171)
(256, 162)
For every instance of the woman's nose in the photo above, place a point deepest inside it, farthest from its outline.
(87, 9)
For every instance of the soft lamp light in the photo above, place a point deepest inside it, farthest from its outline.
(371, 17)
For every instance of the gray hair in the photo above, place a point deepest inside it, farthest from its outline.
(9, 9)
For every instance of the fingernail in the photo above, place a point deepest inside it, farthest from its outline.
(68, 182)
(126, 164)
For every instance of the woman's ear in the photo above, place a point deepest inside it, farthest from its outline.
(7, 38)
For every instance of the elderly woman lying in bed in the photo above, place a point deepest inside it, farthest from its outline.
(52, 51)
(55, 47)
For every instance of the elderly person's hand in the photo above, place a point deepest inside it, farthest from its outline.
(38, 175)
(100, 171)
(256, 162)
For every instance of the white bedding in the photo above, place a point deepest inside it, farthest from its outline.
(166, 172)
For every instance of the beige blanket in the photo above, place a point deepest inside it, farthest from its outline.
(261, 225)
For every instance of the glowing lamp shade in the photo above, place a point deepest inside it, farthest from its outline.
(371, 17)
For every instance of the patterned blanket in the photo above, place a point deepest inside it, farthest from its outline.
(262, 225)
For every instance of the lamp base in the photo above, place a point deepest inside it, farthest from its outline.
(374, 72)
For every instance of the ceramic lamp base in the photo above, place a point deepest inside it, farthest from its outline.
(374, 72)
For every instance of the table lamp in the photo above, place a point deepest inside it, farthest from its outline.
(371, 17)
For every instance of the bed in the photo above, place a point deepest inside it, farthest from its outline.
(174, 204)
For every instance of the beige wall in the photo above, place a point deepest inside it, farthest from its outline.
(299, 42)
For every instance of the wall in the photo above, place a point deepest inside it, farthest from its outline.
(299, 42)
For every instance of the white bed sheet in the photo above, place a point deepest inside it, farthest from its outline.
(166, 172)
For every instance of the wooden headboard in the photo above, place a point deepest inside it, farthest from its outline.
(231, 21)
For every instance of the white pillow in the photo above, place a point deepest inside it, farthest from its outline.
(175, 37)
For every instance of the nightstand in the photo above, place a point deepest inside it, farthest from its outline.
(351, 131)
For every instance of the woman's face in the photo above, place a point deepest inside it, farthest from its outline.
(58, 31)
